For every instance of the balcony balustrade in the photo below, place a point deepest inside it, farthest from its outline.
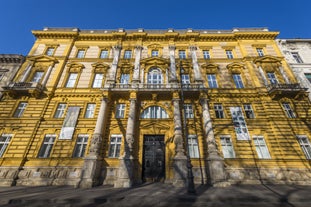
(278, 90)
(23, 88)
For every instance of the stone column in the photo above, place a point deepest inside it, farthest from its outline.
(196, 69)
(284, 75)
(47, 75)
(27, 72)
(180, 159)
(136, 78)
(262, 74)
(93, 161)
(172, 76)
(215, 163)
(113, 70)
(126, 167)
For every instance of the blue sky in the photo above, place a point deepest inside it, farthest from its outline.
(19, 17)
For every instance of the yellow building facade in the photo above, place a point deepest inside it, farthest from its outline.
(92, 107)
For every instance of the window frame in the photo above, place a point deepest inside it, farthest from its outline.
(115, 146)
(106, 56)
(193, 146)
(90, 112)
(154, 112)
(306, 151)
(127, 54)
(80, 146)
(248, 110)
(206, 54)
(60, 111)
(289, 112)
(219, 111)
(229, 54)
(79, 55)
(271, 76)
(212, 82)
(47, 51)
(38, 79)
(120, 111)
(305, 74)
(20, 109)
(227, 148)
(154, 53)
(297, 57)
(238, 82)
(182, 54)
(260, 52)
(69, 83)
(261, 147)
(5, 143)
(189, 113)
(98, 82)
(47, 146)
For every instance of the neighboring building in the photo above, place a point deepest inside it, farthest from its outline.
(91, 107)
(297, 53)
(9, 64)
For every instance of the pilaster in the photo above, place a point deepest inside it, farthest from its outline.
(196, 69)
(172, 77)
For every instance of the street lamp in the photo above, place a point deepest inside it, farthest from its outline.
(190, 183)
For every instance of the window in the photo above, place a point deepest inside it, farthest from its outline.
(206, 54)
(305, 145)
(193, 147)
(90, 109)
(60, 110)
(154, 53)
(188, 111)
(249, 111)
(98, 80)
(20, 109)
(219, 111)
(125, 78)
(50, 51)
(182, 54)
(37, 76)
(229, 54)
(47, 146)
(71, 80)
(212, 81)
(81, 144)
(308, 76)
(154, 78)
(115, 146)
(261, 147)
(185, 80)
(260, 52)
(288, 110)
(297, 57)
(80, 53)
(127, 54)
(4, 142)
(238, 80)
(104, 54)
(120, 111)
(227, 147)
(154, 112)
(272, 78)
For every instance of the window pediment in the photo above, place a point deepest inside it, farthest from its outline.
(267, 59)
(210, 68)
(100, 67)
(43, 58)
(75, 67)
(126, 67)
(235, 67)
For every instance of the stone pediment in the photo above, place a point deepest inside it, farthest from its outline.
(235, 67)
(267, 59)
(42, 58)
(155, 61)
(211, 68)
(154, 127)
(100, 67)
(75, 67)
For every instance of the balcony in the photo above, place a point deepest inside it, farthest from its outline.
(23, 88)
(293, 90)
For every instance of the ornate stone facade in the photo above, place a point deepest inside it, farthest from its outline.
(150, 104)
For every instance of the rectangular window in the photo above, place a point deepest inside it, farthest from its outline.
(261, 147)
(260, 52)
(120, 111)
(219, 111)
(127, 54)
(182, 54)
(249, 111)
(59, 113)
(308, 76)
(188, 111)
(206, 54)
(193, 147)
(81, 144)
(238, 80)
(50, 51)
(47, 146)
(185, 80)
(288, 110)
(239, 123)
(154, 53)
(80, 53)
(4, 142)
(71, 80)
(212, 81)
(115, 146)
(297, 57)
(272, 78)
(229, 54)
(305, 145)
(104, 54)
(37, 76)
(125, 78)
(20, 109)
(98, 80)
(227, 147)
(90, 109)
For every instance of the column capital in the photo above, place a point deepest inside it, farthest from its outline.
(171, 47)
(117, 47)
(193, 47)
(139, 47)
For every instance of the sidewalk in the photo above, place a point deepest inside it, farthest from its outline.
(157, 194)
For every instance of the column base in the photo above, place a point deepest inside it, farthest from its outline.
(125, 174)
(180, 171)
(217, 173)
(90, 172)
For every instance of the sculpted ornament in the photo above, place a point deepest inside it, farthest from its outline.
(95, 144)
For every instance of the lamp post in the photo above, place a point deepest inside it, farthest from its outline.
(190, 183)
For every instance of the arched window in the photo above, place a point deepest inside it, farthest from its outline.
(154, 77)
(154, 112)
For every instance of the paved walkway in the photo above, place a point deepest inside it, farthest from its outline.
(157, 194)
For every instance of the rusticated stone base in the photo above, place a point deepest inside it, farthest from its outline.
(269, 175)
(8, 176)
(216, 171)
(42, 176)
(125, 174)
(180, 171)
